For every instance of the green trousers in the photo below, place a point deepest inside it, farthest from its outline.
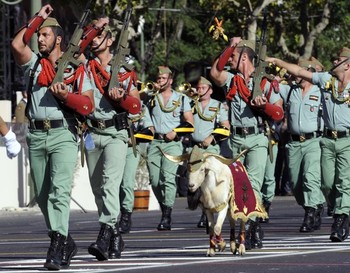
(162, 171)
(303, 159)
(106, 164)
(254, 160)
(335, 166)
(269, 184)
(128, 183)
(53, 156)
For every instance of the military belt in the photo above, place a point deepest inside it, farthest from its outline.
(305, 136)
(333, 134)
(102, 124)
(245, 131)
(46, 124)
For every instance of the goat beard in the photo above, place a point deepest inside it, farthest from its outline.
(193, 199)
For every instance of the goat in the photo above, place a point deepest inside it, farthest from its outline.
(212, 175)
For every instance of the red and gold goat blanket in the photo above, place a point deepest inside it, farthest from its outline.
(244, 203)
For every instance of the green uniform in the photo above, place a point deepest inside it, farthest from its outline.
(52, 152)
(161, 170)
(248, 132)
(106, 161)
(139, 122)
(335, 144)
(303, 149)
(205, 121)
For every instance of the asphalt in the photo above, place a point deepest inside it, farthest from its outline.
(24, 242)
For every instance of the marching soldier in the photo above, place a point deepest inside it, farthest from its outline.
(171, 115)
(108, 128)
(335, 145)
(52, 138)
(246, 117)
(305, 125)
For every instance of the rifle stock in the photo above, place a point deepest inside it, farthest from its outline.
(122, 50)
(69, 56)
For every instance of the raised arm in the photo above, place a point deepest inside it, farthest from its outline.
(19, 45)
(293, 69)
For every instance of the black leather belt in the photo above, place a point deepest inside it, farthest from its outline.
(335, 134)
(102, 124)
(303, 137)
(46, 124)
(159, 136)
(244, 131)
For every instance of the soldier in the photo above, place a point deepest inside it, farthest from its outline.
(211, 123)
(108, 129)
(305, 125)
(335, 145)
(171, 115)
(246, 117)
(143, 133)
(52, 138)
(12, 145)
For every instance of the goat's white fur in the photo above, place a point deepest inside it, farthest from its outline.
(216, 182)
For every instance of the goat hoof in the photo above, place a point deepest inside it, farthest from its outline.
(233, 247)
(211, 252)
(241, 249)
(221, 245)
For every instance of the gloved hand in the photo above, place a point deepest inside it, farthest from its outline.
(12, 145)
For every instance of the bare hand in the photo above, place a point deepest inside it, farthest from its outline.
(259, 102)
(170, 136)
(59, 90)
(45, 11)
(116, 93)
(102, 22)
(234, 41)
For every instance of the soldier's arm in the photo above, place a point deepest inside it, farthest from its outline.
(292, 68)
(19, 45)
(188, 116)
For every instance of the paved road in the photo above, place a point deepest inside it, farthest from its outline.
(23, 244)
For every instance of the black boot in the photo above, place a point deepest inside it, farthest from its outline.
(165, 222)
(257, 235)
(318, 217)
(100, 248)
(54, 254)
(202, 221)
(309, 220)
(125, 222)
(267, 209)
(116, 245)
(340, 228)
(69, 250)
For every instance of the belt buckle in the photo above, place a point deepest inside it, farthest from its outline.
(101, 124)
(245, 131)
(335, 134)
(46, 124)
(302, 138)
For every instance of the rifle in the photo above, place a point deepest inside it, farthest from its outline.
(260, 65)
(69, 56)
(122, 50)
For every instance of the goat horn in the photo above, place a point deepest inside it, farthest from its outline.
(175, 158)
(228, 161)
